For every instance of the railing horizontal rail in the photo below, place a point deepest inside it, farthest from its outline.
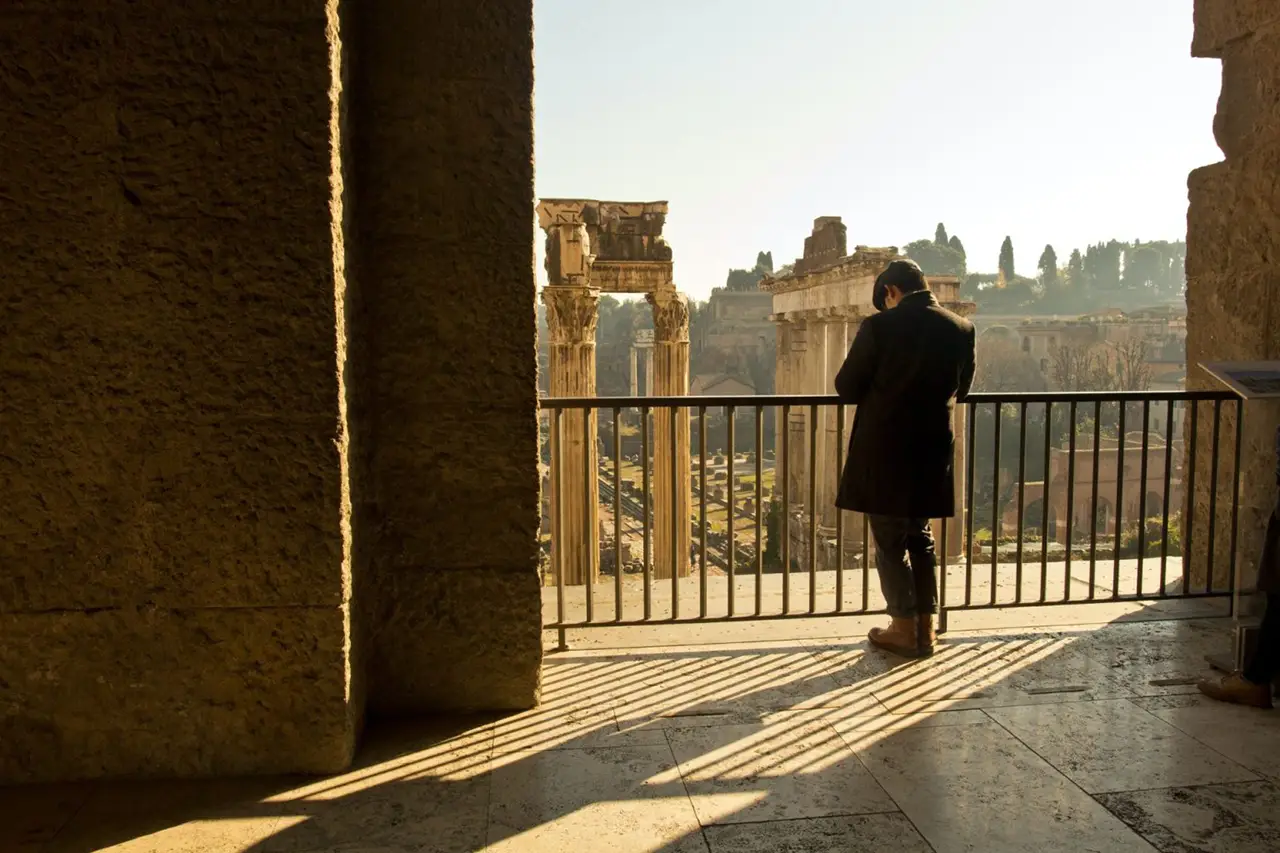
(767, 400)
(723, 507)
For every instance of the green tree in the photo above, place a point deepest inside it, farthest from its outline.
(1076, 279)
(957, 246)
(1006, 260)
(1049, 270)
(764, 262)
(940, 236)
(935, 259)
(1144, 268)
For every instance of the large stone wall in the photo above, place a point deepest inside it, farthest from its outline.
(1233, 263)
(441, 131)
(173, 598)
(182, 349)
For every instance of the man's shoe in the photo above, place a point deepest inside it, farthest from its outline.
(900, 637)
(1237, 690)
(926, 636)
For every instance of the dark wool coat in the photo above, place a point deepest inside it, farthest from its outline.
(1269, 562)
(905, 371)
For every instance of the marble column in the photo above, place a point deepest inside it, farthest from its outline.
(635, 378)
(837, 348)
(673, 492)
(797, 452)
(575, 488)
(648, 371)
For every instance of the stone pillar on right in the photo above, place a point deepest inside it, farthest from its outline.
(1233, 281)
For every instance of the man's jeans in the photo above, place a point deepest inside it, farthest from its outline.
(910, 590)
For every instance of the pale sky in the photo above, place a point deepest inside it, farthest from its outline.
(1053, 122)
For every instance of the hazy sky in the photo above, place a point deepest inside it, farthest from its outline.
(1063, 123)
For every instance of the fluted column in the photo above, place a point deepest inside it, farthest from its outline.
(673, 504)
(635, 380)
(648, 371)
(797, 452)
(575, 488)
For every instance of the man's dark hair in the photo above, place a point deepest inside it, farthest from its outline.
(905, 275)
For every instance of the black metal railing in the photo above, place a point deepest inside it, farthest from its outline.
(1045, 481)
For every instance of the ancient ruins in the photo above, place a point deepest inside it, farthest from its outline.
(614, 247)
(817, 308)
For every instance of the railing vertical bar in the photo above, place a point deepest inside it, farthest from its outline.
(617, 514)
(995, 503)
(839, 439)
(813, 509)
(731, 503)
(1235, 504)
(1071, 499)
(1046, 481)
(1022, 491)
(1164, 499)
(971, 421)
(1118, 522)
(646, 513)
(866, 562)
(1189, 465)
(677, 521)
(785, 522)
(759, 509)
(1143, 471)
(590, 537)
(1213, 498)
(942, 581)
(702, 511)
(557, 495)
(1093, 506)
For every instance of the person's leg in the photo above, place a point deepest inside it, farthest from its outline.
(1253, 685)
(896, 581)
(1265, 664)
(898, 585)
(924, 566)
(924, 574)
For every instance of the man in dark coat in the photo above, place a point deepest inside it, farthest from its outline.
(1253, 685)
(906, 369)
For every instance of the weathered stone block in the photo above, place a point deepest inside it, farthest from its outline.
(458, 640)
(1249, 106)
(239, 513)
(145, 692)
(1220, 22)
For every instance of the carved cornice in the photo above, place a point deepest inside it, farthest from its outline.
(864, 263)
(670, 316)
(572, 314)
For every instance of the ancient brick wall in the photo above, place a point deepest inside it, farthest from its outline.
(441, 130)
(180, 581)
(1233, 260)
(173, 592)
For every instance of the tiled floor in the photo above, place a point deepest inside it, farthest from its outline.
(1087, 739)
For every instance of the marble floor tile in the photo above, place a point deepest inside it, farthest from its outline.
(621, 800)
(1115, 745)
(977, 788)
(566, 728)
(993, 673)
(1248, 736)
(776, 771)
(1241, 818)
(876, 833)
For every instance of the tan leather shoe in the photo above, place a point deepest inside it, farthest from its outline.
(1237, 690)
(899, 638)
(926, 636)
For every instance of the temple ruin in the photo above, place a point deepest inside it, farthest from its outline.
(614, 247)
(817, 308)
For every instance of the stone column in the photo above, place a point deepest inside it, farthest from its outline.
(648, 371)
(635, 379)
(837, 348)
(673, 503)
(575, 488)
(797, 452)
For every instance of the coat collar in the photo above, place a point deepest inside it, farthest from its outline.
(918, 299)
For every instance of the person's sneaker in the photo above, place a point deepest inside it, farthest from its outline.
(900, 637)
(1237, 690)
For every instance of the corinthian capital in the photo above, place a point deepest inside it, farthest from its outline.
(571, 314)
(670, 316)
